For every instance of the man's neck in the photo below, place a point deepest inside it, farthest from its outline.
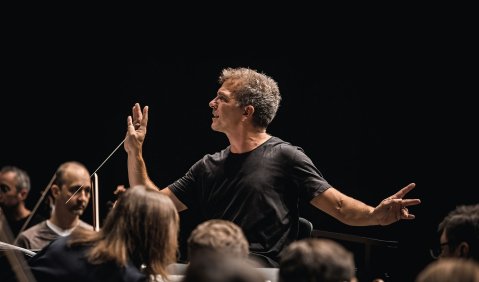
(247, 142)
(17, 213)
(60, 230)
(64, 220)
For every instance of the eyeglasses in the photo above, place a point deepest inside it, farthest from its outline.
(437, 251)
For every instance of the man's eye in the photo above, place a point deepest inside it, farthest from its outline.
(4, 188)
(73, 189)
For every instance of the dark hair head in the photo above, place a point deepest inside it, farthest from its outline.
(22, 180)
(216, 267)
(315, 259)
(462, 225)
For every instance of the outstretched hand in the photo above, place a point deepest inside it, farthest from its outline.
(136, 128)
(394, 208)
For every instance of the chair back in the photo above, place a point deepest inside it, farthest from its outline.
(305, 228)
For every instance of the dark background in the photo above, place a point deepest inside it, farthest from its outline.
(369, 132)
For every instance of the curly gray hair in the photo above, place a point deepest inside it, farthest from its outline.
(256, 89)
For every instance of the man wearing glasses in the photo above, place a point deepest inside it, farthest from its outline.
(459, 234)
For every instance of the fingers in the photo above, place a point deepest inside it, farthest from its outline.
(144, 121)
(130, 127)
(405, 214)
(137, 115)
(119, 189)
(405, 190)
(404, 211)
(410, 216)
(129, 124)
(410, 202)
(398, 208)
(136, 111)
(140, 118)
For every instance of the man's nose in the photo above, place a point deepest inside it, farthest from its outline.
(214, 102)
(83, 196)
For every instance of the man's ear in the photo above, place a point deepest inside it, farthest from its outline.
(463, 248)
(23, 194)
(248, 110)
(55, 190)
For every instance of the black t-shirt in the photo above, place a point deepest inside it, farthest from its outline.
(59, 262)
(15, 226)
(258, 190)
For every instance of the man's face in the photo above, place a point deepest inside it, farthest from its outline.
(9, 197)
(226, 112)
(73, 181)
(79, 202)
(446, 250)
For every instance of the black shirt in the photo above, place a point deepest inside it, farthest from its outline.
(258, 190)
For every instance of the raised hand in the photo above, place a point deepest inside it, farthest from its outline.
(394, 208)
(136, 129)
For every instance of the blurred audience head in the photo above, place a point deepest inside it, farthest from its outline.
(219, 267)
(142, 228)
(459, 234)
(14, 187)
(217, 235)
(314, 259)
(450, 270)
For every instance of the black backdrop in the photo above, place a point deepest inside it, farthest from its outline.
(369, 133)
